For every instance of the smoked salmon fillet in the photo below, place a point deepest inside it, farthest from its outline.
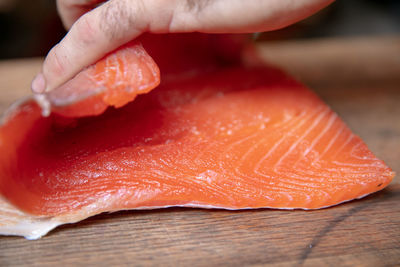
(113, 81)
(228, 138)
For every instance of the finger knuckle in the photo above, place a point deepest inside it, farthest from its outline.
(189, 15)
(120, 16)
(196, 6)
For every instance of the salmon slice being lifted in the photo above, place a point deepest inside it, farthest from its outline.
(113, 81)
(229, 138)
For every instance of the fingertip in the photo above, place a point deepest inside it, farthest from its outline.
(38, 84)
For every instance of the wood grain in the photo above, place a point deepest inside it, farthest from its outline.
(359, 233)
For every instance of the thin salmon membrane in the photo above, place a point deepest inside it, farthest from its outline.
(209, 136)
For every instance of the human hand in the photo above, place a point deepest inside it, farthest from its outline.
(98, 27)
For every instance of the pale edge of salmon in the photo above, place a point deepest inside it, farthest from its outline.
(18, 223)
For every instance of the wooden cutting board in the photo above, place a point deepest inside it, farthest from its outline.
(359, 78)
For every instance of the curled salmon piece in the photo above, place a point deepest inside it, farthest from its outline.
(228, 138)
(114, 81)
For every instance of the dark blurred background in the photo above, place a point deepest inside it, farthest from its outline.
(31, 28)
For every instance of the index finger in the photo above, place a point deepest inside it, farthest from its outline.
(93, 35)
(116, 22)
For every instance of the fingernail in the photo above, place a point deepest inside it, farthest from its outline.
(38, 84)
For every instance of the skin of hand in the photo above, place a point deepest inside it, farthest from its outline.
(97, 27)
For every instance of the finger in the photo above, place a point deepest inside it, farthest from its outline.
(238, 16)
(92, 36)
(118, 21)
(71, 10)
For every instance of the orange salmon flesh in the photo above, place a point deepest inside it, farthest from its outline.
(229, 137)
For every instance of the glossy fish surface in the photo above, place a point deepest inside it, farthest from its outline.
(229, 138)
